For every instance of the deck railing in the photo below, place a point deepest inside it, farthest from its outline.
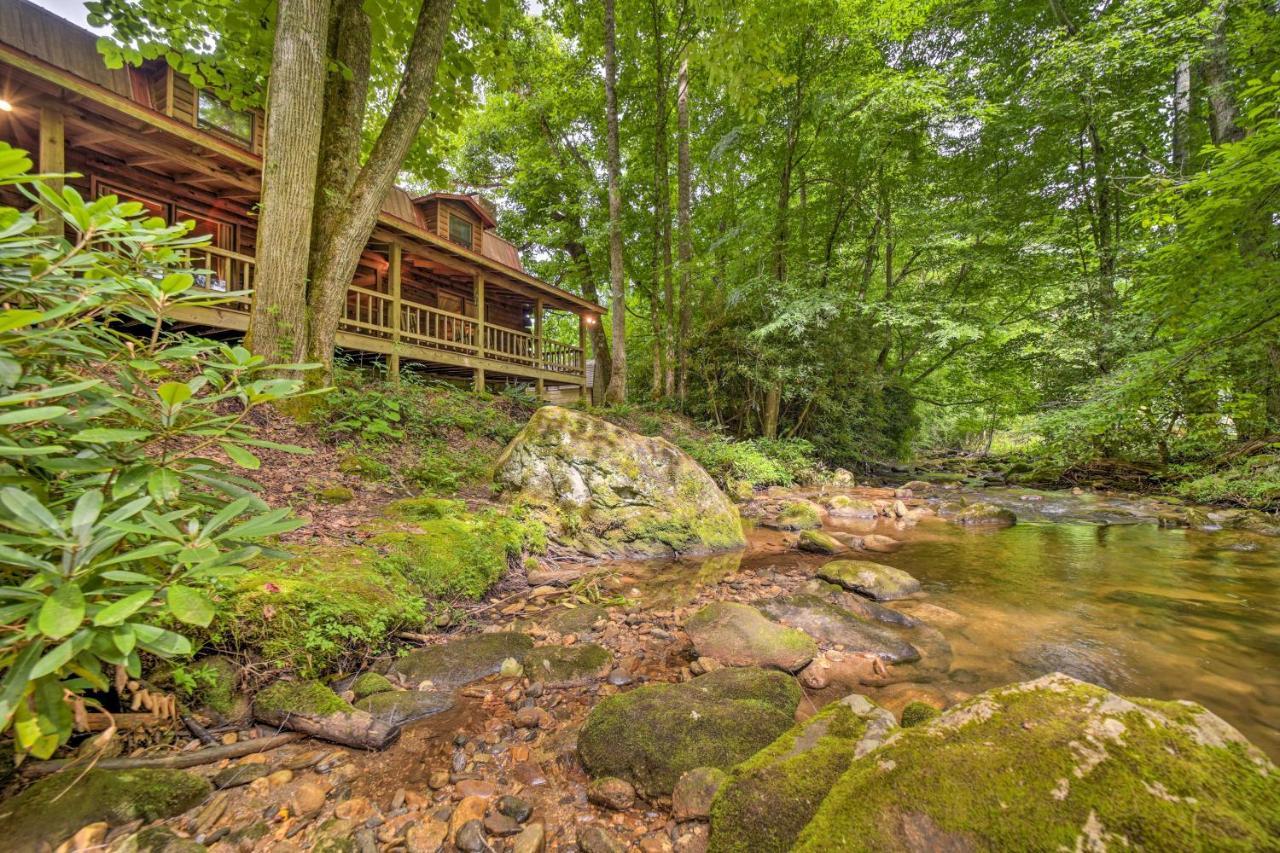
(372, 314)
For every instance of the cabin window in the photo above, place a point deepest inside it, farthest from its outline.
(460, 231)
(213, 113)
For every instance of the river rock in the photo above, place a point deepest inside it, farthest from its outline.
(985, 515)
(817, 542)
(573, 620)
(369, 683)
(605, 490)
(828, 623)
(799, 515)
(34, 818)
(460, 661)
(612, 793)
(692, 796)
(737, 634)
(770, 798)
(652, 735)
(874, 580)
(580, 662)
(312, 708)
(843, 506)
(594, 838)
(858, 605)
(1062, 765)
(398, 707)
(879, 543)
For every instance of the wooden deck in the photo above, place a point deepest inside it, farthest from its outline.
(390, 325)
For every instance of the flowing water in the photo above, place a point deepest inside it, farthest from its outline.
(1085, 586)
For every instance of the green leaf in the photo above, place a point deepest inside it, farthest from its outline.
(29, 510)
(118, 611)
(174, 394)
(16, 318)
(105, 435)
(15, 681)
(85, 514)
(26, 416)
(61, 655)
(62, 612)
(242, 457)
(160, 642)
(164, 486)
(190, 606)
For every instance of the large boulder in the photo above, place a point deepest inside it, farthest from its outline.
(739, 635)
(824, 621)
(874, 580)
(770, 797)
(460, 661)
(605, 490)
(56, 807)
(1053, 764)
(652, 735)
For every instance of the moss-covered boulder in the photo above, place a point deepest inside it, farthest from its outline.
(844, 506)
(369, 683)
(817, 542)
(829, 623)
(860, 606)
(737, 634)
(605, 490)
(651, 736)
(314, 709)
(581, 662)
(799, 515)
(460, 661)
(56, 807)
(874, 580)
(985, 515)
(1055, 764)
(212, 686)
(771, 797)
(397, 707)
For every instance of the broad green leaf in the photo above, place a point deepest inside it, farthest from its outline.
(190, 605)
(62, 612)
(105, 435)
(119, 611)
(174, 394)
(27, 416)
(242, 457)
(160, 642)
(29, 510)
(164, 485)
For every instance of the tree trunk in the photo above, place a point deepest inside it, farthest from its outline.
(599, 341)
(772, 410)
(341, 241)
(295, 107)
(1181, 147)
(1217, 82)
(663, 282)
(617, 391)
(683, 214)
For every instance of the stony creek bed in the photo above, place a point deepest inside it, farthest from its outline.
(1084, 585)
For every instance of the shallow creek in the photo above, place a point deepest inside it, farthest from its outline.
(1083, 585)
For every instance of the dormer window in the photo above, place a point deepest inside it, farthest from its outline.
(460, 231)
(213, 113)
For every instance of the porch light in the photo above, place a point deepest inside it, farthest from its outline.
(591, 319)
(5, 106)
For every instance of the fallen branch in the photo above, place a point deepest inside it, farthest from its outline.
(173, 762)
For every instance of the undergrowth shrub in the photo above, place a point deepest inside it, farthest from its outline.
(758, 462)
(116, 520)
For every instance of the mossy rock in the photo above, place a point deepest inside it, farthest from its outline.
(573, 620)
(308, 698)
(985, 515)
(917, 713)
(771, 797)
(369, 683)
(799, 515)
(604, 490)
(157, 839)
(217, 687)
(652, 735)
(1055, 764)
(461, 661)
(580, 662)
(44, 815)
(844, 506)
(738, 634)
(817, 542)
(398, 707)
(426, 508)
(336, 495)
(874, 580)
(830, 623)
(742, 491)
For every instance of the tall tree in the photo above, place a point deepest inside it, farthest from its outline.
(617, 390)
(684, 204)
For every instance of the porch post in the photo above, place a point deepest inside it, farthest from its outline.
(393, 363)
(537, 342)
(477, 287)
(53, 157)
(582, 355)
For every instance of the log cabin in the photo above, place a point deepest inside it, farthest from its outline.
(435, 286)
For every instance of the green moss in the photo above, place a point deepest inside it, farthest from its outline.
(916, 713)
(426, 508)
(365, 466)
(336, 494)
(217, 680)
(567, 663)
(369, 683)
(818, 542)
(1061, 764)
(299, 697)
(55, 807)
(799, 516)
(771, 796)
(462, 660)
(654, 734)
